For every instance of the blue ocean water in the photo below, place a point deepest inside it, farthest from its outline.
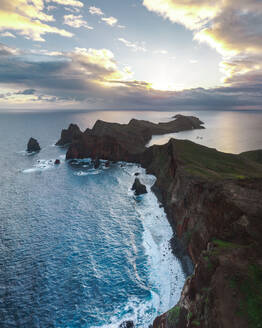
(77, 249)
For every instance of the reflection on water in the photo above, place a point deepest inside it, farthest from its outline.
(230, 132)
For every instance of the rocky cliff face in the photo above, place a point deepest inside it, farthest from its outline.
(69, 135)
(213, 202)
(121, 141)
(218, 222)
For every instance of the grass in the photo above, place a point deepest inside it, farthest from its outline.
(251, 290)
(173, 315)
(195, 323)
(210, 163)
(225, 244)
(209, 263)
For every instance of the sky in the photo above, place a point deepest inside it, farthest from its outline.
(131, 54)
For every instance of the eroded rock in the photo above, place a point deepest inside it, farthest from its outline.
(33, 145)
(138, 187)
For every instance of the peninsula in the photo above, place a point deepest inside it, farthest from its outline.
(213, 203)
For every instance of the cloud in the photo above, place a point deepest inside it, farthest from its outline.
(73, 3)
(193, 61)
(95, 11)
(8, 51)
(7, 35)
(27, 17)
(92, 78)
(233, 28)
(26, 92)
(133, 45)
(110, 20)
(76, 21)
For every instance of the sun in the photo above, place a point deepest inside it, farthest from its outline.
(165, 85)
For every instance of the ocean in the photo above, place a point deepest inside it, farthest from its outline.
(77, 248)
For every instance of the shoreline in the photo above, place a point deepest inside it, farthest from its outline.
(211, 200)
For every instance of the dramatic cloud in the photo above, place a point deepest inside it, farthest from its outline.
(110, 20)
(76, 21)
(91, 78)
(233, 28)
(133, 45)
(95, 11)
(27, 17)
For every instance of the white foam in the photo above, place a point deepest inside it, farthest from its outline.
(165, 272)
(89, 172)
(42, 165)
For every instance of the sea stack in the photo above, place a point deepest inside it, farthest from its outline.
(127, 324)
(138, 187)
(33, 145)
(68, 135)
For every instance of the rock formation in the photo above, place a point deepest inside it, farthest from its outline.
(127, 324)
(96, 163)
(33, 145)
(213, 203)
(138, 187)
(69, 135)
(120, 141)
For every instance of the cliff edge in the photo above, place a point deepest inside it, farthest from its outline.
(213, 203)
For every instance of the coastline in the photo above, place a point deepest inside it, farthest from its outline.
(206, 207)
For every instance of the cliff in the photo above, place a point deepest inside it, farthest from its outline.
(213, 202)
(127, 140)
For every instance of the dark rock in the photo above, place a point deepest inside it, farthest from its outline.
(107, 163)
(96, 163)
(127, 324)
(120, 142)
(213, 203)
(138, 187)
(69, 135)
(57, 161)
(33, 145)
(137, 173)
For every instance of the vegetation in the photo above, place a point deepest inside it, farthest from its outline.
(225, 244)
(210, 163)
(173, 315)
(196, 323)
(251, 290)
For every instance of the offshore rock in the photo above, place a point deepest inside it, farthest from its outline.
(127, 324)
(33, 145)
(57, 161)
(96, 163)
(138, 187)
(69, 135)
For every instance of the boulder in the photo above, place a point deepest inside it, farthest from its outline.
(127, 324)
(138, 187)
(107, 164)
(57, 161)
(33, 145)
(96, 163)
